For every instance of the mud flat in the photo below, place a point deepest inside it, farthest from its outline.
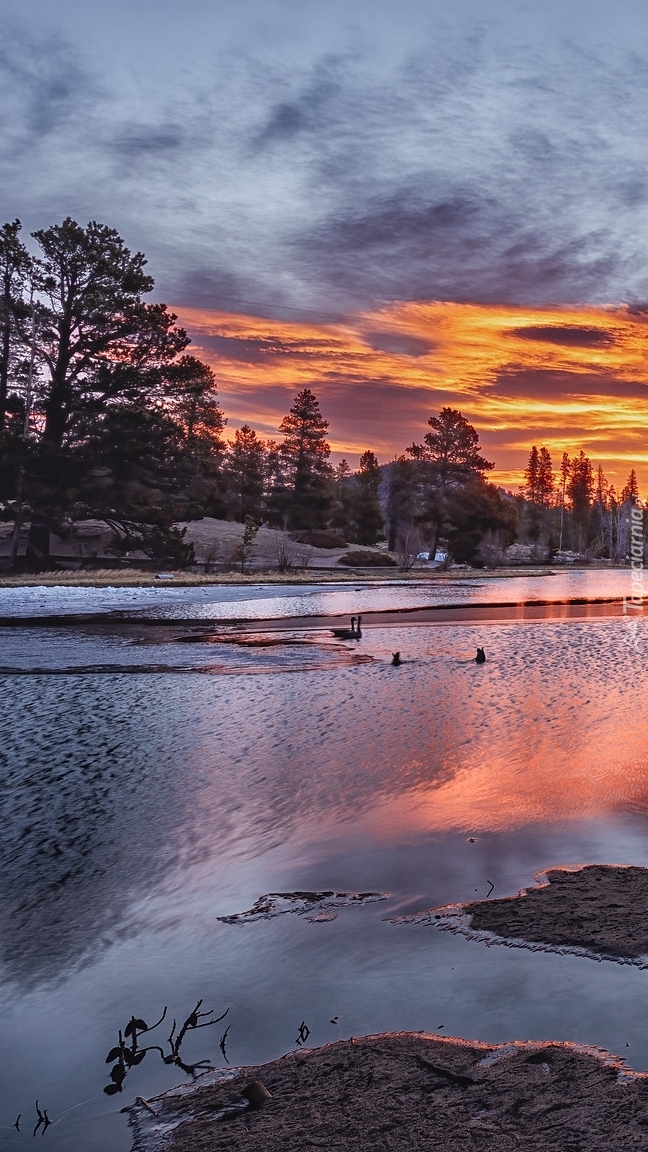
(600, 910)
(408, 1091)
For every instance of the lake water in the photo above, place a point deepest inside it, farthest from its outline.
(151, 786)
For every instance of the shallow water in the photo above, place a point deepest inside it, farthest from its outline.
(263, 602)
(139, 807)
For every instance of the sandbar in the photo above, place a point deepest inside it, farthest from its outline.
(412, 1092)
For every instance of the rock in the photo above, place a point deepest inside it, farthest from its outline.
(257, 1094)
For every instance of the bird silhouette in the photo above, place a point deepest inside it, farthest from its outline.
(345, 633)
(396, 660)
(480, 658)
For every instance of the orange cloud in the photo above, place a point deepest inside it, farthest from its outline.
(564, 377)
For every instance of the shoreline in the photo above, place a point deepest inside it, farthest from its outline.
(134, 578)
(592, 910)
(529, 611)
(408, 1091)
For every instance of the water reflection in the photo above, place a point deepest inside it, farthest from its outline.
(265, 602)
(109, 793)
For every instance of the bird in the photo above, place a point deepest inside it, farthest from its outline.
(396, 660)
(345, 633)
(480, 658)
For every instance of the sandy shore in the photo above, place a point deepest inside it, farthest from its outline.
(410, 1092)
(601, 908)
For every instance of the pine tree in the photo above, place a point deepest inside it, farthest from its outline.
(602, 488)
(192, 397)
(579, 489)
(305, 452)
(565, 465)
(452, 447)
(531, 490)
(98, 339)
(531, 473)
(367, 513)
(402, 498)
(546, 479)
(448, 458)
(16, 269)
(245, 473)
(631, 489)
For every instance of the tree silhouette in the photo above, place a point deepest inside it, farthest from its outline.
(631, 489)
(305, 453)
(245, 473)
(98, 339)
(367, 513)
(448, 458)
(16, 267)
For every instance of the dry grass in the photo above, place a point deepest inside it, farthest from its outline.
(133, 578)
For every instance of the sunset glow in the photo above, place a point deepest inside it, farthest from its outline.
(564, 377)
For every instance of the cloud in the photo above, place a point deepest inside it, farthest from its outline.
(312, 110)
(553, 385)
(400, 343)
(566, 336)
(44, 86)
(458, 157)
(133, 140)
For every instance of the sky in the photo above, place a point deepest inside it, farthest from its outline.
(403, 204)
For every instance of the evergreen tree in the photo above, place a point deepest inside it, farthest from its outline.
(245, 474)
(16, 269)
(475, 509)
(531, 494)
(190, 391)
(579, 489)
(631, 489)
(546, 480)
(402, 499)
(600, 515)
(538, 489)
(98, 339)
(452, 447)
(367, 513)
(305, 452)
(565, 465)
(342, 490)
(448, 458)
(602, 488)
(531, 473)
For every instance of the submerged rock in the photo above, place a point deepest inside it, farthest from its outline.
(277, 903)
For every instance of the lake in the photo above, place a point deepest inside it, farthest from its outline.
(153, 785)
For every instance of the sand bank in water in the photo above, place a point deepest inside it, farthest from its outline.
(412, 1091)
(602, 908)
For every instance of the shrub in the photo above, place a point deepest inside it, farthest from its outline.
(317, 538)
(358, 559)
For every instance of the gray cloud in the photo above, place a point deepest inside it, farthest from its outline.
(43, 85)
(552, 385)
(301, 174)
(565, 335)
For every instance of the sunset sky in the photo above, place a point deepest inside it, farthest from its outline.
(399, 204)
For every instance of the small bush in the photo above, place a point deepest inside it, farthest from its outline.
(367, 560)
(317, 538)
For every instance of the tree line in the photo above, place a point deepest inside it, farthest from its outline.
(106, 414)
(575, 508)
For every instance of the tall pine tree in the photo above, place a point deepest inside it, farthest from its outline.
(305, 453)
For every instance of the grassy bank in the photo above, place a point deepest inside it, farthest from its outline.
(132, 578)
